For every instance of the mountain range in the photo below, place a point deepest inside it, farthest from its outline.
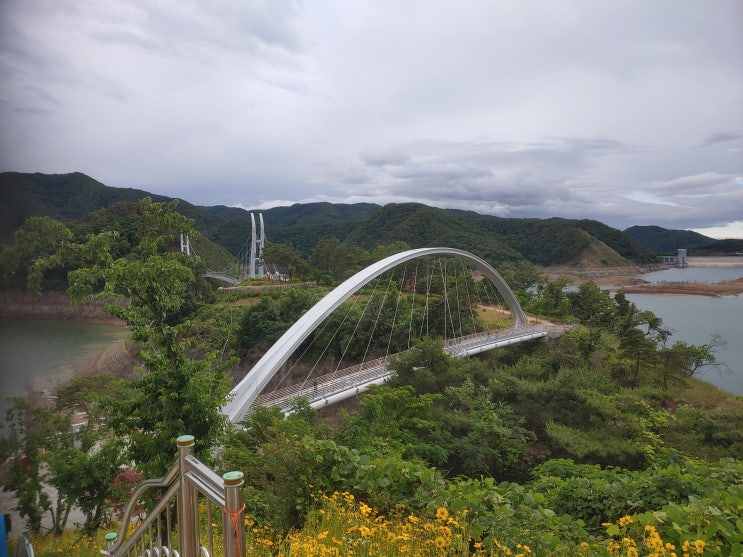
(556, 241)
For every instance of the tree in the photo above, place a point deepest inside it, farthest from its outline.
(684, 360)
(155, 290)
(284, 259)
(260, 324)
(397, 421)
(38, 239)
(333, 258)
(488, 437)
(29, 429)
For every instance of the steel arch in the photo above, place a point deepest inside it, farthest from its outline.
(245, 392)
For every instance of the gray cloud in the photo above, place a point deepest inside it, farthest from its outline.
(625, 112)
(722, 137)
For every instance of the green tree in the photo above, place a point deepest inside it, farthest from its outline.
(260, 325)
(333, 258)
(285, 260)
(38, 239)
(396, 421)
(488, 437)
(155, 290)
(23, 475)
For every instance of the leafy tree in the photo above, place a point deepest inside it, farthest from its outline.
(281, 468)
(37, 239)
(385, 250)
(260, 325)
(23, 474)
(488, 437)
(683, 360)
(336, 259)
(285, 259)
(551, 299)
(158, 289)
(396, 421)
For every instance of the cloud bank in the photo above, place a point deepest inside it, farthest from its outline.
(626, 112)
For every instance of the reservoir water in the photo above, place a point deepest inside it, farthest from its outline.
(693, 319)
(39, 354)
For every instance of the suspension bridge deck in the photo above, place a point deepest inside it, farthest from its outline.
(341, 384)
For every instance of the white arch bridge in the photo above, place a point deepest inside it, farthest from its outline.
(348, 382)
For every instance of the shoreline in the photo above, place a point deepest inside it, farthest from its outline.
(715, 289)
(628, 279)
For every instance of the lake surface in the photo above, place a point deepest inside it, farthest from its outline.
(694, 319)
(694, 274)
(38, 354)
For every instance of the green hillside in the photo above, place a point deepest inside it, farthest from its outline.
(63, 197)
(421, 226)
(663, 241)
(555, 241)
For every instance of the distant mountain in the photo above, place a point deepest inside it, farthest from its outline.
(662, 241)
(63, 197)
(78, 198)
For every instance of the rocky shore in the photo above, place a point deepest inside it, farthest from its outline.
(16, 304)
(628, 279)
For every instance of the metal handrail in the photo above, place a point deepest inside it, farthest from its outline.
(186, 481)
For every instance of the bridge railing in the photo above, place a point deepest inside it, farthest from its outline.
(181, 524)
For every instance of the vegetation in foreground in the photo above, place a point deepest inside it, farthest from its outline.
(592, 444)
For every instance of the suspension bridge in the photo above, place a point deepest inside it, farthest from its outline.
(329, 388)
(249, 261)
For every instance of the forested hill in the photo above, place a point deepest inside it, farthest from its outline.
(69, 197)
(664, 241)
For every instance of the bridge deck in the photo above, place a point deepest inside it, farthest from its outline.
(345, 383)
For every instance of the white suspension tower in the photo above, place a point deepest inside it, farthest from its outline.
(257, 268)
(186, 244)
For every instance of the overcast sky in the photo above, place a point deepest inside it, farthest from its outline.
(629, 112)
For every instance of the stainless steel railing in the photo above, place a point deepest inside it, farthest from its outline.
(181, 523)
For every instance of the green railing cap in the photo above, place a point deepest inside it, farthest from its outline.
(232, 479)
(111, 536)
(185, 440)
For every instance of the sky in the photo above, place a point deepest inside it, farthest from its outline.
(630, 112)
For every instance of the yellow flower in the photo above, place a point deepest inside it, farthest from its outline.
(442, 513)
(624, 521)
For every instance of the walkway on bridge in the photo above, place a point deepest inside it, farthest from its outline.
(341, 384)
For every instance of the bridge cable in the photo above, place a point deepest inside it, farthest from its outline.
(412, 302)
(337, 330)
(397, 305)
(356, 327)
(379, 313)
(308, 345)
(467, 278)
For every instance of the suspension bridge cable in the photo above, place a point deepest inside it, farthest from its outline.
(412, 302)
(379, 313)
(397, 306)
(353, 333)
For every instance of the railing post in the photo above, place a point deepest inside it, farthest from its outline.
(188, 529)
(233, 515)
(110, 541)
